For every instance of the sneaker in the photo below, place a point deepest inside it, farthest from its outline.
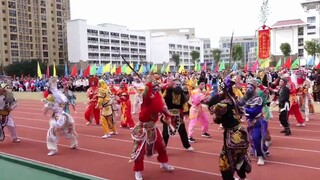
(114, 133)
(307, 119)
(268, 143)
(88, 123)
(106, 136)
(131, 128)
(205, 135)
(138, 175)
(16, 140)
(52, 152)
(166, 167)
(74, 146)
(300, 124)
(190, 149)
(260, 161)
(267, 153)
(192, 140)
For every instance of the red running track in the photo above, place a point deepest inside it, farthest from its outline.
(293, 157)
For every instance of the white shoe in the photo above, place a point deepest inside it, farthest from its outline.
(190, 149)
(138, 175)
(166, 167)
(131, 128)
(268, 143)
(307, 119)
(114, 133)
(301, 125)
(106, 136)
(88, 123)
(74, 146)
(260, 161)
(52, 152)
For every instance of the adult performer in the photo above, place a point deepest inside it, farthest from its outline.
(147, 137)
(233, 157)
(92, 94)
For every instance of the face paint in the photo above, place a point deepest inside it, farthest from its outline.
(250, 89)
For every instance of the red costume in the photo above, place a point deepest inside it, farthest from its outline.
(294, 106)
(147, 137)
(126, 117)
(92, 94)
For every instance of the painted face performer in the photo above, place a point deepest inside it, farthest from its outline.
(257, 125)
(105, 104)
(7, 104)
(138, 88)
(61, 123)
(147, 137)
(233, 157)
(91, 110)
(175, 101)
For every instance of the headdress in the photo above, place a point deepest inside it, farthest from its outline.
(253, 82)
(93, 81)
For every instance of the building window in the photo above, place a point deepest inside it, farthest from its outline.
(311, 33)
(45, 54)
(311, 27)
(311, 19)
(300, 31)
(300, 42)
(300, 52)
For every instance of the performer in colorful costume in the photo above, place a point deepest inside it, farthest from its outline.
(305, 102)
(294, 106)
(147, 137)
(257, 125)
(105, 105)
(233, 157)
(176, 101)
(138, 88)
(71, 98)
(92, 93)
(126, 116)
(7, 104)
(61, 123)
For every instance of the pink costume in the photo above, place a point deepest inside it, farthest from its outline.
(197, 114)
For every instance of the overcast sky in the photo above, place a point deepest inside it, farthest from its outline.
(210, 18)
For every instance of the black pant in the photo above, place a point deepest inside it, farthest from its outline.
(228, 175)
(283, 117)
(182, 132)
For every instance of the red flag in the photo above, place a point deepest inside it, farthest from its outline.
(204, 67)
(216, 69)
(255, 66)
(118, 70)
(87, 71)
(288, 63)
(74, 71)
(318, 66)
(245, 68)
(48, 71)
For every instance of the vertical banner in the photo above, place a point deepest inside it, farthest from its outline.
(264, 44)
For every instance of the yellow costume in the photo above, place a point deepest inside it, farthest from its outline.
(105, 104)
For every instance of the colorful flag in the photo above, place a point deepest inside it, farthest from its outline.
(87, 71)
(107, 68)
(310, 61)
(74, 71)
(181, 68)
(54, 69)
(93, 70)
(81, 72)
(288, 63)
(39, 70)
(278, 64)
(212, 66)
(113, 70)
(136, 68)
(65, 70)
(141, 69)
(295, 64)
(119, 70)
(265, 64)
(234, 67)
(155, 69)
(168, 68)
(162, 69)
(255, 66)
(222, 66)
(245, 68)
(100, 70)
(204, 67)
(128, 69)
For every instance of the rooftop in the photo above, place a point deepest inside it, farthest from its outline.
(291, 22)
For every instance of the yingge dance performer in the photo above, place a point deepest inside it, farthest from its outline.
(233, 157)
(147, 137)
(61, 123)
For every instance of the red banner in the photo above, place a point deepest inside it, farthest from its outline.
(264, 44)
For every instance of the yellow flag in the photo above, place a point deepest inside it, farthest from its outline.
(106, 68)
(39, 71)
(54, 70)
(265, 64)
(113, 70)
(155, 69)
(168, 69)
(141, 69)
(128, 70)
(181, 68)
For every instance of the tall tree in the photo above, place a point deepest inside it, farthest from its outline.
(237, 52)
(286, 50)
(216, 55)
(176, 59)
(195, 56)
(312, 47)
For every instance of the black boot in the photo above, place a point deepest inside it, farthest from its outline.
(287, 131)
(283, 131)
